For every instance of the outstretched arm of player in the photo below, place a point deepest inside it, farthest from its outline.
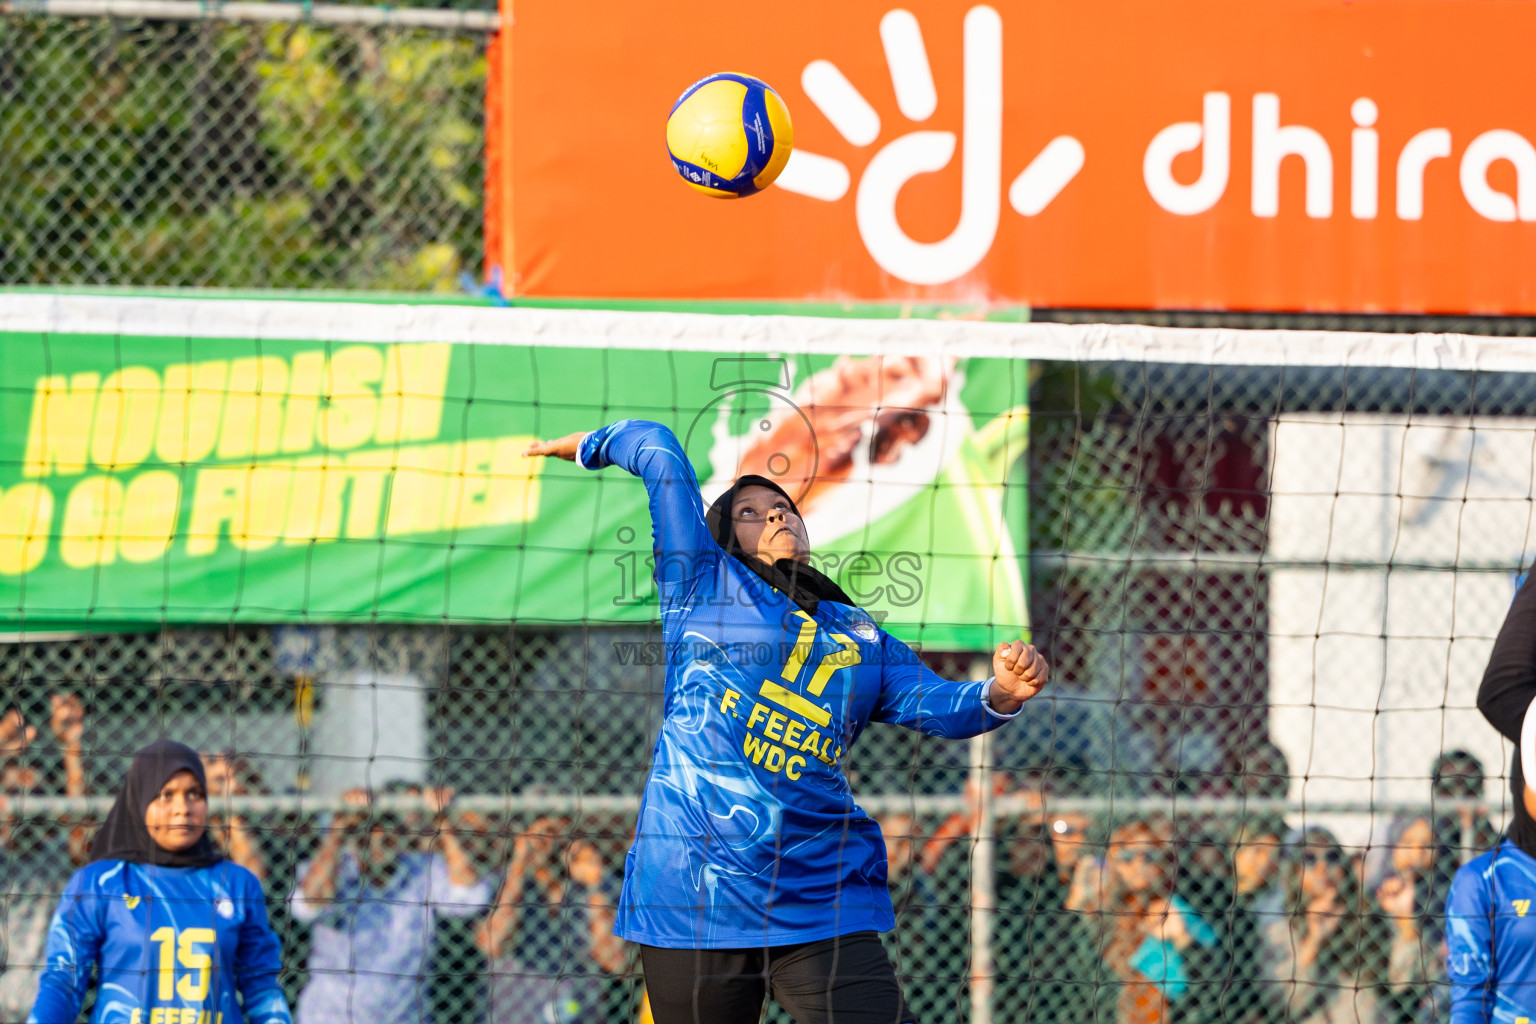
(914, 696)
(1469, 948)
(681, 540)
(1509, 681)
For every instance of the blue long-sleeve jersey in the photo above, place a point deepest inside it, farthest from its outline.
(1490, 938)
(748, 832)
(172, 945)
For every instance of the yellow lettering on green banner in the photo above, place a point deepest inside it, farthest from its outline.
(349, 419)
(26, 518)
(88, 535)
(253, 409)
(60, 430)
(218, 497)
(191, 399)
(416, 497)
(127, 412)
(411, 396)
(263, 515)
(306, 382)
(512, 495)
(315, 500)
(151, 506)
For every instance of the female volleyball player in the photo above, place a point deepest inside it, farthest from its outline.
(176, 933)
(753, 871)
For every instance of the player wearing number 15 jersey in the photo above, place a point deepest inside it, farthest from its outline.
(749, 843)
(177, 934)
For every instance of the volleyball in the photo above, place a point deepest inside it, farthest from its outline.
(729, 135)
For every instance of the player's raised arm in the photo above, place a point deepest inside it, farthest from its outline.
(681, 539)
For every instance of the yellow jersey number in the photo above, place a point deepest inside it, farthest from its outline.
(792, 701)
(184, 948)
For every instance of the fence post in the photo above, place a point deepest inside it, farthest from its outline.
(983, 879)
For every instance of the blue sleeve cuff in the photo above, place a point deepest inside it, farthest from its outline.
(590, 453)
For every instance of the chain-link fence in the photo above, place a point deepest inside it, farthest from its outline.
(239, 154)
(1151, 841)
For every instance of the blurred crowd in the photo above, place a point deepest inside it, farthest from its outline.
(405, 917)
(1144, 918)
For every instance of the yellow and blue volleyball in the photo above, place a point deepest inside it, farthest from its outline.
(729, 135)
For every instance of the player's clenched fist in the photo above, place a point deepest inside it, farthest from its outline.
(1020, 672)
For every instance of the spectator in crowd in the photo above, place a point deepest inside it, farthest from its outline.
(1328, 956)
(372, 903)
(960, 826)
(35, 864)
(1068, 834)
(230, 775)
(1405, 891)
(1220, 983)
(1147, 933)
(1043, 954)
(550, 935)
(1258, 850)
(1463, 832)
(1258, 898)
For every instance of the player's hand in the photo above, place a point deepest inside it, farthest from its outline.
(1019, 672)
(561, 447)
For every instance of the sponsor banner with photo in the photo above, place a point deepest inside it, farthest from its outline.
(1273, 154)
(148, 480)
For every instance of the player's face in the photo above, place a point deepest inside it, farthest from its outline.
(178, 816)
(767, 526)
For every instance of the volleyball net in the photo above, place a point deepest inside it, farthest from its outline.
(1267, 568)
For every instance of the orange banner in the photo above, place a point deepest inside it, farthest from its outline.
(1269, 154)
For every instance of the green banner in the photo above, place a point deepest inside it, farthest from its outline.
(149, 480)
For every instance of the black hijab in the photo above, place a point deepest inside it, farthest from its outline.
(124, 836)
(1522, 829)
(802, 584)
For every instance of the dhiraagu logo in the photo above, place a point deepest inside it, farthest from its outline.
(904, 157)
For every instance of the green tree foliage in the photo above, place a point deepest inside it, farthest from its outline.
(242, 156)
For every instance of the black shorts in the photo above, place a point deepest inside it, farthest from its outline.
(845, 980)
